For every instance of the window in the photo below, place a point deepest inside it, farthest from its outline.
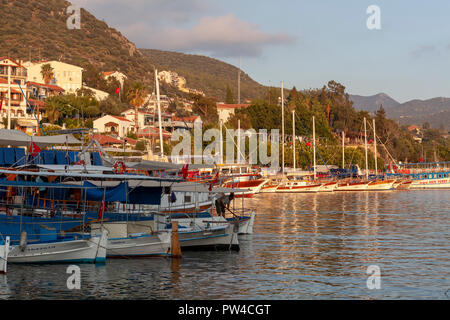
(187, 199)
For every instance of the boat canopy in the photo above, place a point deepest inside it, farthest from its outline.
(19, 138)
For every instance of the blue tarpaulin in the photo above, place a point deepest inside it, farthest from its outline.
(145, 195)
(112, 194)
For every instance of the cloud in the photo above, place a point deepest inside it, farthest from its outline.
(224, 36)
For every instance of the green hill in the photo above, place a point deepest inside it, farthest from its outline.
(207, 74)
(37, 29)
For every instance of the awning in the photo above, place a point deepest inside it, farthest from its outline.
(19, 138)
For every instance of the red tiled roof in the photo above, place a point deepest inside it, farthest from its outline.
(231, 106)
(131, 141)
(107, 73)
(34, 102)
(50, 86)
(153, 132)
(187, 119)
(104, 139)
(111, 124)
(121, 118)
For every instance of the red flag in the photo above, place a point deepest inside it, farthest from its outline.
(308, 144)
(117, 90)
(216, 179)
(1, 104)
(102, 208)
(184, 171)
(421, 159)
(371, 140)
(34, 149)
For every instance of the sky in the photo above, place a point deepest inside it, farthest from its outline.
(304, 43)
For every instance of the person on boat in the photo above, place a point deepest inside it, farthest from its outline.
(223, 202)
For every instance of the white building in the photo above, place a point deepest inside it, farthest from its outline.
(66, 76)
(119, 76)
(119, 126)
(226, 111)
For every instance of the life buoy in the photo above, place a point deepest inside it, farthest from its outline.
(119, 167)
(81, 163)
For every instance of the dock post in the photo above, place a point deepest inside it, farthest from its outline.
(176, 249)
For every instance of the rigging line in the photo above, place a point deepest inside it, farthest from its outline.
(381, 142)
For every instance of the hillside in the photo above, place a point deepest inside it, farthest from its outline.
(37, 29)
(372, 103)
(435, 111)
(207, 74)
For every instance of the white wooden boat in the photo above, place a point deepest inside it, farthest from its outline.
(90, 250)
(121, 244)
(402, 184)
(298, 186)
(4, 250)
(352, 186)
(328, 187)
(381, 185)
(222, 236)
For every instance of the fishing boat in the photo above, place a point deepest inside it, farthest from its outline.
(122, 244)
(298, 186)
(90, 250)
(4, 250)
(209, 237)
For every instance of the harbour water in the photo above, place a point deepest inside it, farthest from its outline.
(304, 246)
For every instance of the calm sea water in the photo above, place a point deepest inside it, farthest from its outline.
(304, 246)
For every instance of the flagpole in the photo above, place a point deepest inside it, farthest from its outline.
(375, 147)
(9, 97)
(159, 114)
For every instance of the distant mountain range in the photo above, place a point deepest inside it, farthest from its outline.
(435, 111)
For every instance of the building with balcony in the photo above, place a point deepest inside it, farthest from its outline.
(66, 76)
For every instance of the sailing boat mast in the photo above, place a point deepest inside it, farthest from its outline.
(293, 138)
(282, 127)
(365, 144)
(159, 114)
(375, 147)
(343, 149)
(314, 145)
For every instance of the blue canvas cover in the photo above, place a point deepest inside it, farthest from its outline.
(96, 159)
(2, 157)
(48, 156)
(10, 156)
(20, 156)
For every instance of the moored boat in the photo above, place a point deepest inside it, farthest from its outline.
(328, 186)
(381, 185)
(352, 186)
(4, 250)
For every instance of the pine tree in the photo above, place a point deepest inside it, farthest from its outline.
(229, 98)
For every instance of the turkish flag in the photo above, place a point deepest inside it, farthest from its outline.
(421, 160)
(34, 149)
(117, 90)
(308, 144)
(1, 104)
(370, 141)
(184, 171)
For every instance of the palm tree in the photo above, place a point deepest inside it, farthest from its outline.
(51, 109)
(47, 73)
(136, 97)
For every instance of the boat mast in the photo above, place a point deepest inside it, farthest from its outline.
(365, 143)
(9, 97)
(375, 147)
(343, 150)
(282, 128)
(314, 145)
(221, 142)
(293, 137)
(159, 114)
(239, 142)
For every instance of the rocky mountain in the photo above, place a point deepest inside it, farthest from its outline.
(210, 75)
